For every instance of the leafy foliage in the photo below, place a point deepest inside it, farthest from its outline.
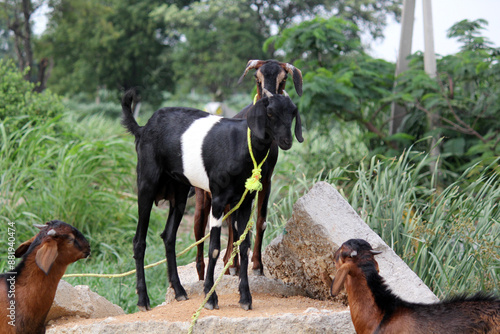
(111, 44)
(20, 103)
(218, 38)
(465, 95)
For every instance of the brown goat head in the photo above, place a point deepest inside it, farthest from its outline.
(56, 241)
(271, 75)
(347, 258)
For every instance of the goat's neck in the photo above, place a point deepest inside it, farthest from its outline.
(260, 148)
(365, 314)
(35, 292)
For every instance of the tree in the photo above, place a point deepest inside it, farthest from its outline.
(369, 15)
(112, 44)
(216, 41)
(465, 94)
(341, 81)
(16, 15)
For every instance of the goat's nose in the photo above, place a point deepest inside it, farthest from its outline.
(285, 143)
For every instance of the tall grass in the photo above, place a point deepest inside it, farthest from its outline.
(82, 171)
(450, 238)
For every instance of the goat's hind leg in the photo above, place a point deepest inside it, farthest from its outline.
(201, 213)
(145, 204)
(177, 207)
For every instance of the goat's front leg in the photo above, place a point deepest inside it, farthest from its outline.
(213, 253)
(258, 267)
(240, 223)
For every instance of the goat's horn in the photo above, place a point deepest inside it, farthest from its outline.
(375, 252)
(39, 226)
(354, 253)
(289, 68)
(52, 232)
(254, 63)
(266, 92)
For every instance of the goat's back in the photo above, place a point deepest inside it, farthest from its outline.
(193, 145)
(476, 314)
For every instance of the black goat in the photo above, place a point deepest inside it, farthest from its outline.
(376, 309)
(183, 147)
(270, 76)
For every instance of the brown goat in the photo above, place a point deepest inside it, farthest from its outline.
(27, 293)
(375, 309)
(270, 76)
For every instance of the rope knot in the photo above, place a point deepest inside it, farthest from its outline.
(253, 182)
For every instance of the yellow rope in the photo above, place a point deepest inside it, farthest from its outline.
(145, 267)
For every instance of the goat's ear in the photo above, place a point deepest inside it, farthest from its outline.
(46, 255)
(339, 279)
(297, 77)
(298, 127)
(23, 248)
(297, 81)
(257, 118)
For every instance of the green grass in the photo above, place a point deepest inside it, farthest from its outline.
(80, 168)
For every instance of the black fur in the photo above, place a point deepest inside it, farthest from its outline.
(227, 163)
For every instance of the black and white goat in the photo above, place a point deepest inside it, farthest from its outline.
(376, 309)
(183, 147)
(270, 76)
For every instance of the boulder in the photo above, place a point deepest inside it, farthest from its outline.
(321, 221)
(80, 301)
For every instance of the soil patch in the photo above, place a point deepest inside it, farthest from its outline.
(264, 305)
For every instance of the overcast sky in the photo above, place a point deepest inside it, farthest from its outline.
(445, 13)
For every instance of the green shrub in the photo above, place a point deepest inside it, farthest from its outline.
(19, 101)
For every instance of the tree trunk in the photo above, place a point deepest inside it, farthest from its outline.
(28, 52)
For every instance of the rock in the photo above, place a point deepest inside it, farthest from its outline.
(229, 284)
(321, 221)
(334, 322)
(80, 301)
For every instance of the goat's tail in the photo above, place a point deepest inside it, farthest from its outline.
(128, 120)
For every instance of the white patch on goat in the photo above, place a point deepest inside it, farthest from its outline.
(191, 145)
(215, 222)
(215, 253)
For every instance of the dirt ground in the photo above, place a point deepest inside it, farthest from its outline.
(263, 305)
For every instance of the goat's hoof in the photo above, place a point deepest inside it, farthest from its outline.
(181, 298)
(144, 308)
(232, 271)
(210, 306)
(257, 272)
(246, 306)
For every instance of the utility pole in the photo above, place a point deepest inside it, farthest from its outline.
(431, 69)
(398, 112)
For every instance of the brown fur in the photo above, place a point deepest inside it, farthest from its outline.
(45, 259)
(375, 309)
